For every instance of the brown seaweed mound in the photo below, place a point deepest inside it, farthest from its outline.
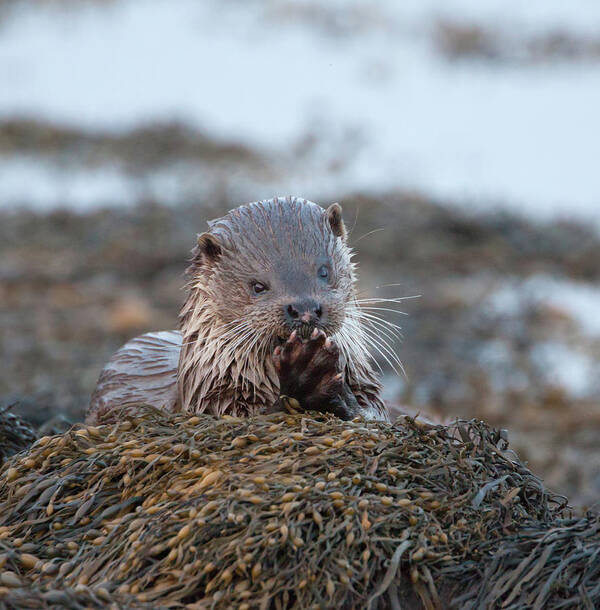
(285, 511)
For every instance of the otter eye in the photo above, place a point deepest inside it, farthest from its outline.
(323, 272)
(259, 287)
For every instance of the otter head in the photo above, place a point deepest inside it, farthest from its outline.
(275, 266)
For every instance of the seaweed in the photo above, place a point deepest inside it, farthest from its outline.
(286, 510)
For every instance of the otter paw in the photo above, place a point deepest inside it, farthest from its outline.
(309, 371)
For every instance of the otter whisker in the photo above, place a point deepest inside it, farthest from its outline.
(391, 359)
(380, 321)
(372, 308)
(369, 310)
(374, 338)
(346, 346)
(370, 341)
(379, 329)
(382, 332)
(360, 315)
(353, 345)
(388, 299)
(367, 234)
(391, 285)
(377, 308)
(373, 331)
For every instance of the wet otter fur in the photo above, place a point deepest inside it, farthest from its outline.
(271, 311)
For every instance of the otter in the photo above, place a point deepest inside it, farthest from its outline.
(271, 320)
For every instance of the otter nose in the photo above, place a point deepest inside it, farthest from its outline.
(303, 312)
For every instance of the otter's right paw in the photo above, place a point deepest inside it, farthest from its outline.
(309, 371)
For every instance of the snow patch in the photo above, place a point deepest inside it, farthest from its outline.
(522, 137)
(578, 300)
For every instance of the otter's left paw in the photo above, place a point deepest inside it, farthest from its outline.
(309, 371)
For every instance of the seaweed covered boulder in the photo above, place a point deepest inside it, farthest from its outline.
(281, 511)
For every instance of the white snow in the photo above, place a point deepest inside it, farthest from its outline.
(567, 368)
(566, 358)
(24, 182)
(35, 182)
(526, 137)
(579, 300)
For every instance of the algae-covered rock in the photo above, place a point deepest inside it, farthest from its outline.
(277, 511)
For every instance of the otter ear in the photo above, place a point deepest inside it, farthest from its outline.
(208, 248)
(334, 215)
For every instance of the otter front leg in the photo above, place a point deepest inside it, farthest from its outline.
(309, 371)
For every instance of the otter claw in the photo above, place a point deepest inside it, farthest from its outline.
(317, 340)
(309, 373)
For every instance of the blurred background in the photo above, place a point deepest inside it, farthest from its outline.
(461, 137)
